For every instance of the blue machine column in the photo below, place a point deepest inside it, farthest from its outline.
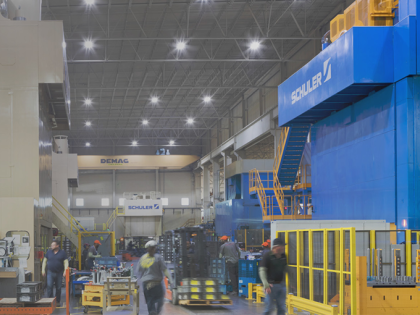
(407, 150)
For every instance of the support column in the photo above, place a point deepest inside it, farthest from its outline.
(206, 186)
(225, 163)
(216, 182)
(157, 180)
(244, 112)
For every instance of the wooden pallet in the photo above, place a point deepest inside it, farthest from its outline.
(205, 302)
(11, 306)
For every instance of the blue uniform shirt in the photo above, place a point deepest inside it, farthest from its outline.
(55, 262)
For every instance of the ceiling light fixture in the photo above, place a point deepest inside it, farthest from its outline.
(88, 44)
(134, 143)
(88, 124)
(88, 101)
(64, 45)
(190, 121)
(172, 142)
(155, 99)
(90, 2)
(180, 45)
(207, 99)
(88, 144)
(255, 45)
(145, 122)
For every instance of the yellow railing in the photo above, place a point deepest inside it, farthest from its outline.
(278, 191)
(322, 269)
(255, 183)
(292, 212)
(100, 226)
(303, 178)
(280, 149)
(117, 212)
(100, 236)
(67, 215)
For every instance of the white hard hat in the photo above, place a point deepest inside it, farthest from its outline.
(151, 244)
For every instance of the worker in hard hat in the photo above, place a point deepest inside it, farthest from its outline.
(273, 267)
(266, 248)
(231, 252)
(92, 254)
(151, 268)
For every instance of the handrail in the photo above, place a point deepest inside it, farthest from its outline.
(70, 221)
(188, 223)
(77, 223)
(255, 180)
(280, 148)
(278, 191)
(111, 219)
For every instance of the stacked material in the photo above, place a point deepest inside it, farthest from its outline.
(200, 289)
(29, 292)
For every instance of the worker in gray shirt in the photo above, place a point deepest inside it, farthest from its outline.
(92, 254)
(232, 254)
(151, 268)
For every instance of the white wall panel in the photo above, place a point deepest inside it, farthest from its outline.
(94, 186)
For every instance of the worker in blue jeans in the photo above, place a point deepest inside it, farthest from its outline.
(55, 263)
(273, 267)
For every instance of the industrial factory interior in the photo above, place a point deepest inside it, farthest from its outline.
(182, 157)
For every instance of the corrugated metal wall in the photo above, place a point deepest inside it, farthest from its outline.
(353, 161)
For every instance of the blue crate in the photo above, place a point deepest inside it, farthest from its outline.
(248, 268)
(223, 278)
(217, 266)
(107, 261)
(226, 288)
(243, 284)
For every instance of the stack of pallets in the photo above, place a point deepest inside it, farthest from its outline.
(201, 291)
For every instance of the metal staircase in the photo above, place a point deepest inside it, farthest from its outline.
(66, 223)
(289, 153)
(269, 186)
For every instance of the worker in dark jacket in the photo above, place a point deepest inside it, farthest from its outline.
(273, 267)
(84, 256)
(232, 254)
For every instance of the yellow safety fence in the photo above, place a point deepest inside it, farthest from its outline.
(322, 273)
(118, 211)
(98, 234)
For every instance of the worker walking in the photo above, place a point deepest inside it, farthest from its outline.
(232, 254)
(55, 262)
(92, 254)
(151, 268)
(272, 269)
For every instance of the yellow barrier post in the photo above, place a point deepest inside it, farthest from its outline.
(372, 247)
(408, 261)
(311, 272)
(325, 266)
(353, 275)
(341, 290)
(79, 253)
(298, 253)
(286, 251)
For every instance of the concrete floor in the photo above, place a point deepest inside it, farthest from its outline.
(240, 306)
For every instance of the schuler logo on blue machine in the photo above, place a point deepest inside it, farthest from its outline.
(312, 83)
(156, 206)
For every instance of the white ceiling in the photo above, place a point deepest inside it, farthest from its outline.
(134, 58)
